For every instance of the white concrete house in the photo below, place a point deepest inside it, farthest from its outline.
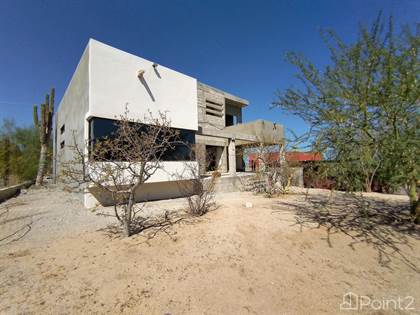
(106, 79)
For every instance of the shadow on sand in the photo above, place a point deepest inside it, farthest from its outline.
(15, 227)
(148, 227)
(386, 226)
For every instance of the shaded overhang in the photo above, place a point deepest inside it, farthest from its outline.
(258, 131)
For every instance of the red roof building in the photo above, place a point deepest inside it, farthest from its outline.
(296, 156)
(292, 156)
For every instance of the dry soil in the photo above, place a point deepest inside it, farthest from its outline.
(283, 255)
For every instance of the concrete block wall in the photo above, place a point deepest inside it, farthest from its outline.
(222, 158)
(200, 155)
(231, 183)
(204, 93)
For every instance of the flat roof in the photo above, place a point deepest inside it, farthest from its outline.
(236, 100)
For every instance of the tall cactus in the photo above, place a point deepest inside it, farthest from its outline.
(44, 125)
(5, 160)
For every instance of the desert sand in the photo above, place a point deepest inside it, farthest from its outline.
(283, 255)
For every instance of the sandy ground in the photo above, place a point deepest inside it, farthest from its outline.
(285, 255)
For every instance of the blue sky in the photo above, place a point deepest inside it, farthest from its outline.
(237, 46)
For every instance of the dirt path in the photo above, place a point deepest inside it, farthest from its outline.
(269, 259)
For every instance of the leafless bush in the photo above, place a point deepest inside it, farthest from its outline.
(202, 199)
(273, 175)
(121, 163)
(200, 190)
(279, 178)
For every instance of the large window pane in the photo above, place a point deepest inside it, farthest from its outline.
(100, 128)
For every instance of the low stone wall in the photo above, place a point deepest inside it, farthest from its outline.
(11, 191)
(227, 183)
(231, 183)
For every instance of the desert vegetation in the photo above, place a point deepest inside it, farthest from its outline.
(25, 152)
(19, 153)
(273, 176)
(363, 109)
(121, 163)
(43, 124)
(199, 190)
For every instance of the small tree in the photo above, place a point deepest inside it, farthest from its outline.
(44, 125)
(7, 130)
(27, 153)
(363, 108)
(122, 162)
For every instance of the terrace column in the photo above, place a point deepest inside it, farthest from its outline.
(232, 157)
(223, 160)
(200, 154)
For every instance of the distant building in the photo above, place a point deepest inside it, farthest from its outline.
(295, 157)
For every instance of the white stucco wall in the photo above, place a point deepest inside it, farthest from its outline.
(105, 81)
(72, 111)
(114, 83)
(163, 184)
(165, 171)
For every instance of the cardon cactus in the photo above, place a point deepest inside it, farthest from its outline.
(44, 125)
(5, 160)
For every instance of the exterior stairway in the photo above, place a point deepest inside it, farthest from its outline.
(231, 183)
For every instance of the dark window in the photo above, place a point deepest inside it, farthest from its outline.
(229, 120)
(62, 129)
(100, 128)
(62, 144)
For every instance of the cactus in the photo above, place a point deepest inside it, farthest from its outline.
(5, 161)
(44, 125)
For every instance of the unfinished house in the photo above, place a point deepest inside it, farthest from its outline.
(107, 79)
(222, 135)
